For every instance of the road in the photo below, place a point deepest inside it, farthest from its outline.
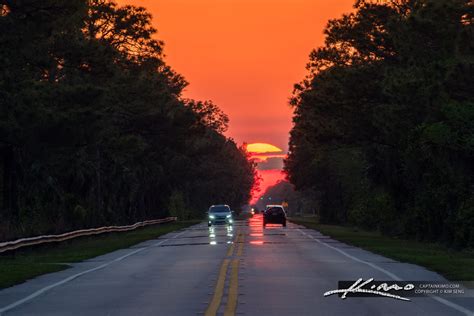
(244, 270)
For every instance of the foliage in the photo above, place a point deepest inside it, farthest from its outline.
(384, 122)
(93, 128)
(284, 192)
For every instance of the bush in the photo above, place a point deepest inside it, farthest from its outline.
(177, 207)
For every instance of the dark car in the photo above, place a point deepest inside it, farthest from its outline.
(274, 214)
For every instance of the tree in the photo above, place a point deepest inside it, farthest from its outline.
(93, 130)
(390, 84)
(209, 115)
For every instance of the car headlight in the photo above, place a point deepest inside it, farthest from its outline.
(211, 217)
(229, 216)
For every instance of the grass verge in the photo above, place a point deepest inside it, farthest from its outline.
(24, 264)
(454, 265)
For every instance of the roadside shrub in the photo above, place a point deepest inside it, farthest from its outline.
(177, 207)
(464, 234)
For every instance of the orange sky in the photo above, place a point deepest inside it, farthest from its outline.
(245, 55)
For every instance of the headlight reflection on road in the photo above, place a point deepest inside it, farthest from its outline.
(212, 235)
(212, 232)
(216, 232)
(256, 230)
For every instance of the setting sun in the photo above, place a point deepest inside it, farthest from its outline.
(262, 148)
(269, 159)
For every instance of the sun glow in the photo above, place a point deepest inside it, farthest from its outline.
(269, 163)
(262, 148)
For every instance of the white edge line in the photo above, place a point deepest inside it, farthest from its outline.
(455, 306)
(75, 276)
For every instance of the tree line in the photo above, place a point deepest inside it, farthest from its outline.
(93, 128)
(383, 134)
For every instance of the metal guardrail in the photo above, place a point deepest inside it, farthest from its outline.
(31, 241)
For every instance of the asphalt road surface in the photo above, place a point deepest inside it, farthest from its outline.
(244, 270)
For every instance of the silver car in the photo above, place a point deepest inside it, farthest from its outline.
(220, 214)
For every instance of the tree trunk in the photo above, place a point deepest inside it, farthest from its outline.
(10, 185)
(99, 183)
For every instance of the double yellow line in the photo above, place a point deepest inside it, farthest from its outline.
(233, 282)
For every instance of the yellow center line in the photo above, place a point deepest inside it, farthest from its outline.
(241, 245)
(230, 252)
(234, 281)
(233, 289)
(219, 290)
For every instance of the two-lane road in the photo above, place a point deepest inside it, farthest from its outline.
(244, 270)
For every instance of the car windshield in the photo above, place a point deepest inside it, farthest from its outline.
(275, 210)
(219, 209)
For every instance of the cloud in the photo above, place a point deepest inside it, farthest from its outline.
(271, 163)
